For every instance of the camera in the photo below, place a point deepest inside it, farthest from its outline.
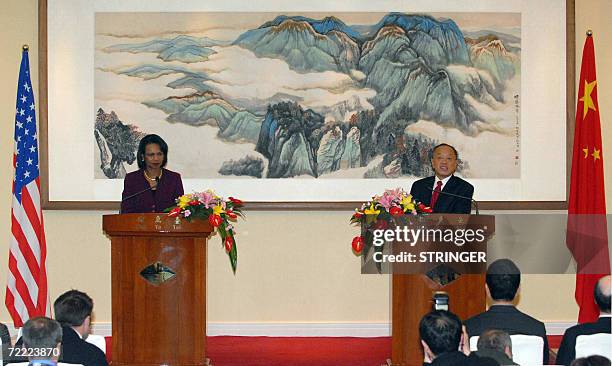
(440, 300)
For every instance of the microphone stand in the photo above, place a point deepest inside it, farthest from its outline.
(140, 192)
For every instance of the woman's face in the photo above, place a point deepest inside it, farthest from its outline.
(153, 156)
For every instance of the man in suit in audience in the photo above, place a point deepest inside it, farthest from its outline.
(567, 349)
(42, 338)
(496, 344)
(73, 310)
(445, 343)
(431, 191)
(503, 280)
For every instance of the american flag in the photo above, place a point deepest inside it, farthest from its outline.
(26, 290)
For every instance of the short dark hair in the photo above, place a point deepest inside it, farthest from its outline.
(41, 332)
(602, 295)
(503, 279)
(72, 307)
(494, 339)
(595, 360)
(444, 144)
(147, 140)
(441, 331)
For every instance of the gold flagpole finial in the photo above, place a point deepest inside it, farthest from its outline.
(589, 32)
(25, 47)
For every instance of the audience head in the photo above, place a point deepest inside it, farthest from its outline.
(495, 340)
(440, 331)
(42, 333)
(503, 280)
(73, 309)
(602, 294)
(591, 361)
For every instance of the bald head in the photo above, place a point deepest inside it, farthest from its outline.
(602, 293)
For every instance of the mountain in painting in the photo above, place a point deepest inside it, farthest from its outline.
(305, 49)
(322, 26)
(439, 42)
(289, 138)
(490, 53)
(181, 48)
(208, 108)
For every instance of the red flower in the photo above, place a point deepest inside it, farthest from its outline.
(174, 212)
(215, 220)
(357, 215)
(421, 206)
(427, 210)
(231, 214)
(194, 203)
(357, 244)
(396, 211)
(229, 243)
(236, 201)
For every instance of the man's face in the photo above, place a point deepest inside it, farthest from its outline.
(444, 161)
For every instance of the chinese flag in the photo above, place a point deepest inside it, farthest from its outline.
(587, 235)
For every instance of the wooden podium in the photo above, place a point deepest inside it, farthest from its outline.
(158, 268)
(412, 297)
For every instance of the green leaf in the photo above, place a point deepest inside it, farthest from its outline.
(233, 255)
(368, 242)
(370, 219)
(378, 249)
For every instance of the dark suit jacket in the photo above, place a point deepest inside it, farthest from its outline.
(509, 319)
(422, 190)
(567, 349)
(76, 350)
(170, 187)
(6, 341)
(459, 359)
(498, 356)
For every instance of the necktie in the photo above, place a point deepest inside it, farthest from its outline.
(435, 194)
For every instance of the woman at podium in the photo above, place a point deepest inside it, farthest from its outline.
(151, 188)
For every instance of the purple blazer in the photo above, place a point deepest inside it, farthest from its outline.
(170, 187)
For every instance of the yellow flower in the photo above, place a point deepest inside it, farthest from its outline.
(217, 210)
(184, 201)
(371, 210)
(407, 203)
(406, 200)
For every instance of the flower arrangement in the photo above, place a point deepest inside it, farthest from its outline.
(219, 213)
(380, 212)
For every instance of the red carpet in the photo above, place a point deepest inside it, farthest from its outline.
(294, 351)
(299, 351)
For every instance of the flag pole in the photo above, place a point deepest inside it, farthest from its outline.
(25, 47)
(589, 33)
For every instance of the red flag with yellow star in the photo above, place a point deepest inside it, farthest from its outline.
(587, 235)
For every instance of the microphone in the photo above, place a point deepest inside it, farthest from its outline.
(140, 192)
(473, 201)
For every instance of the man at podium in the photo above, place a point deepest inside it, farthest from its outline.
(444, 192)
(151, 188)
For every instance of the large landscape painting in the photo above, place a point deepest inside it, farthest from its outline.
(341, 95)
